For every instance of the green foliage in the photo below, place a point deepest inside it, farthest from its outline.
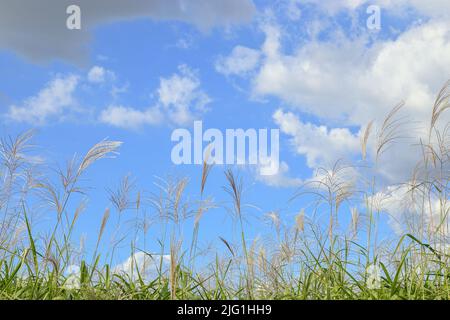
(309, 259)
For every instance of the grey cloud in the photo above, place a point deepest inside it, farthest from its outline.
(37, 29)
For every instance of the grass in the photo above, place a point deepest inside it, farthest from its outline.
(305, 259)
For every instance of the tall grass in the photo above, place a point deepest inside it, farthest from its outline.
(310, 257)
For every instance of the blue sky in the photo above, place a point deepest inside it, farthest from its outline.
(310, 68)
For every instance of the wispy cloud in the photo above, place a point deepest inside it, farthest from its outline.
(130, 118)
(180, 101)
(52, 102)
(241, 61)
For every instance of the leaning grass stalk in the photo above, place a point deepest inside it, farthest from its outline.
(105, 219)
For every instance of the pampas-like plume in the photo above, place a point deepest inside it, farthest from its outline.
(365, 139)
(389, 130)
(441, 104)
(205, 170)
(300, 221)
(105, 219)
(99, 151)
(355, 220)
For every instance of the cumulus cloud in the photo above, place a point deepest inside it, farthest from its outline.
(348, 80)
(180, 96)
(37, 29)
(320, 145)
(146, 264)
(351, 81)
(180, 101)
(239, 62)
(52, 102)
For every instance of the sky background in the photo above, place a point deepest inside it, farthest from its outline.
(135, 72)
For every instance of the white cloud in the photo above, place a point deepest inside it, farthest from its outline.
(436, 8)
(320, 145)
(51, 102)
(39, 31)
(293, 11)
(239, 62)
(72, 277)
(180, 96)
(124, 117)
(146, 264)
(412, 210)
(350, 81)
(140, 263)
(98, 74)
(180, 101)
(281, 179)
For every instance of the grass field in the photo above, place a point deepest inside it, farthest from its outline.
(306, 260)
